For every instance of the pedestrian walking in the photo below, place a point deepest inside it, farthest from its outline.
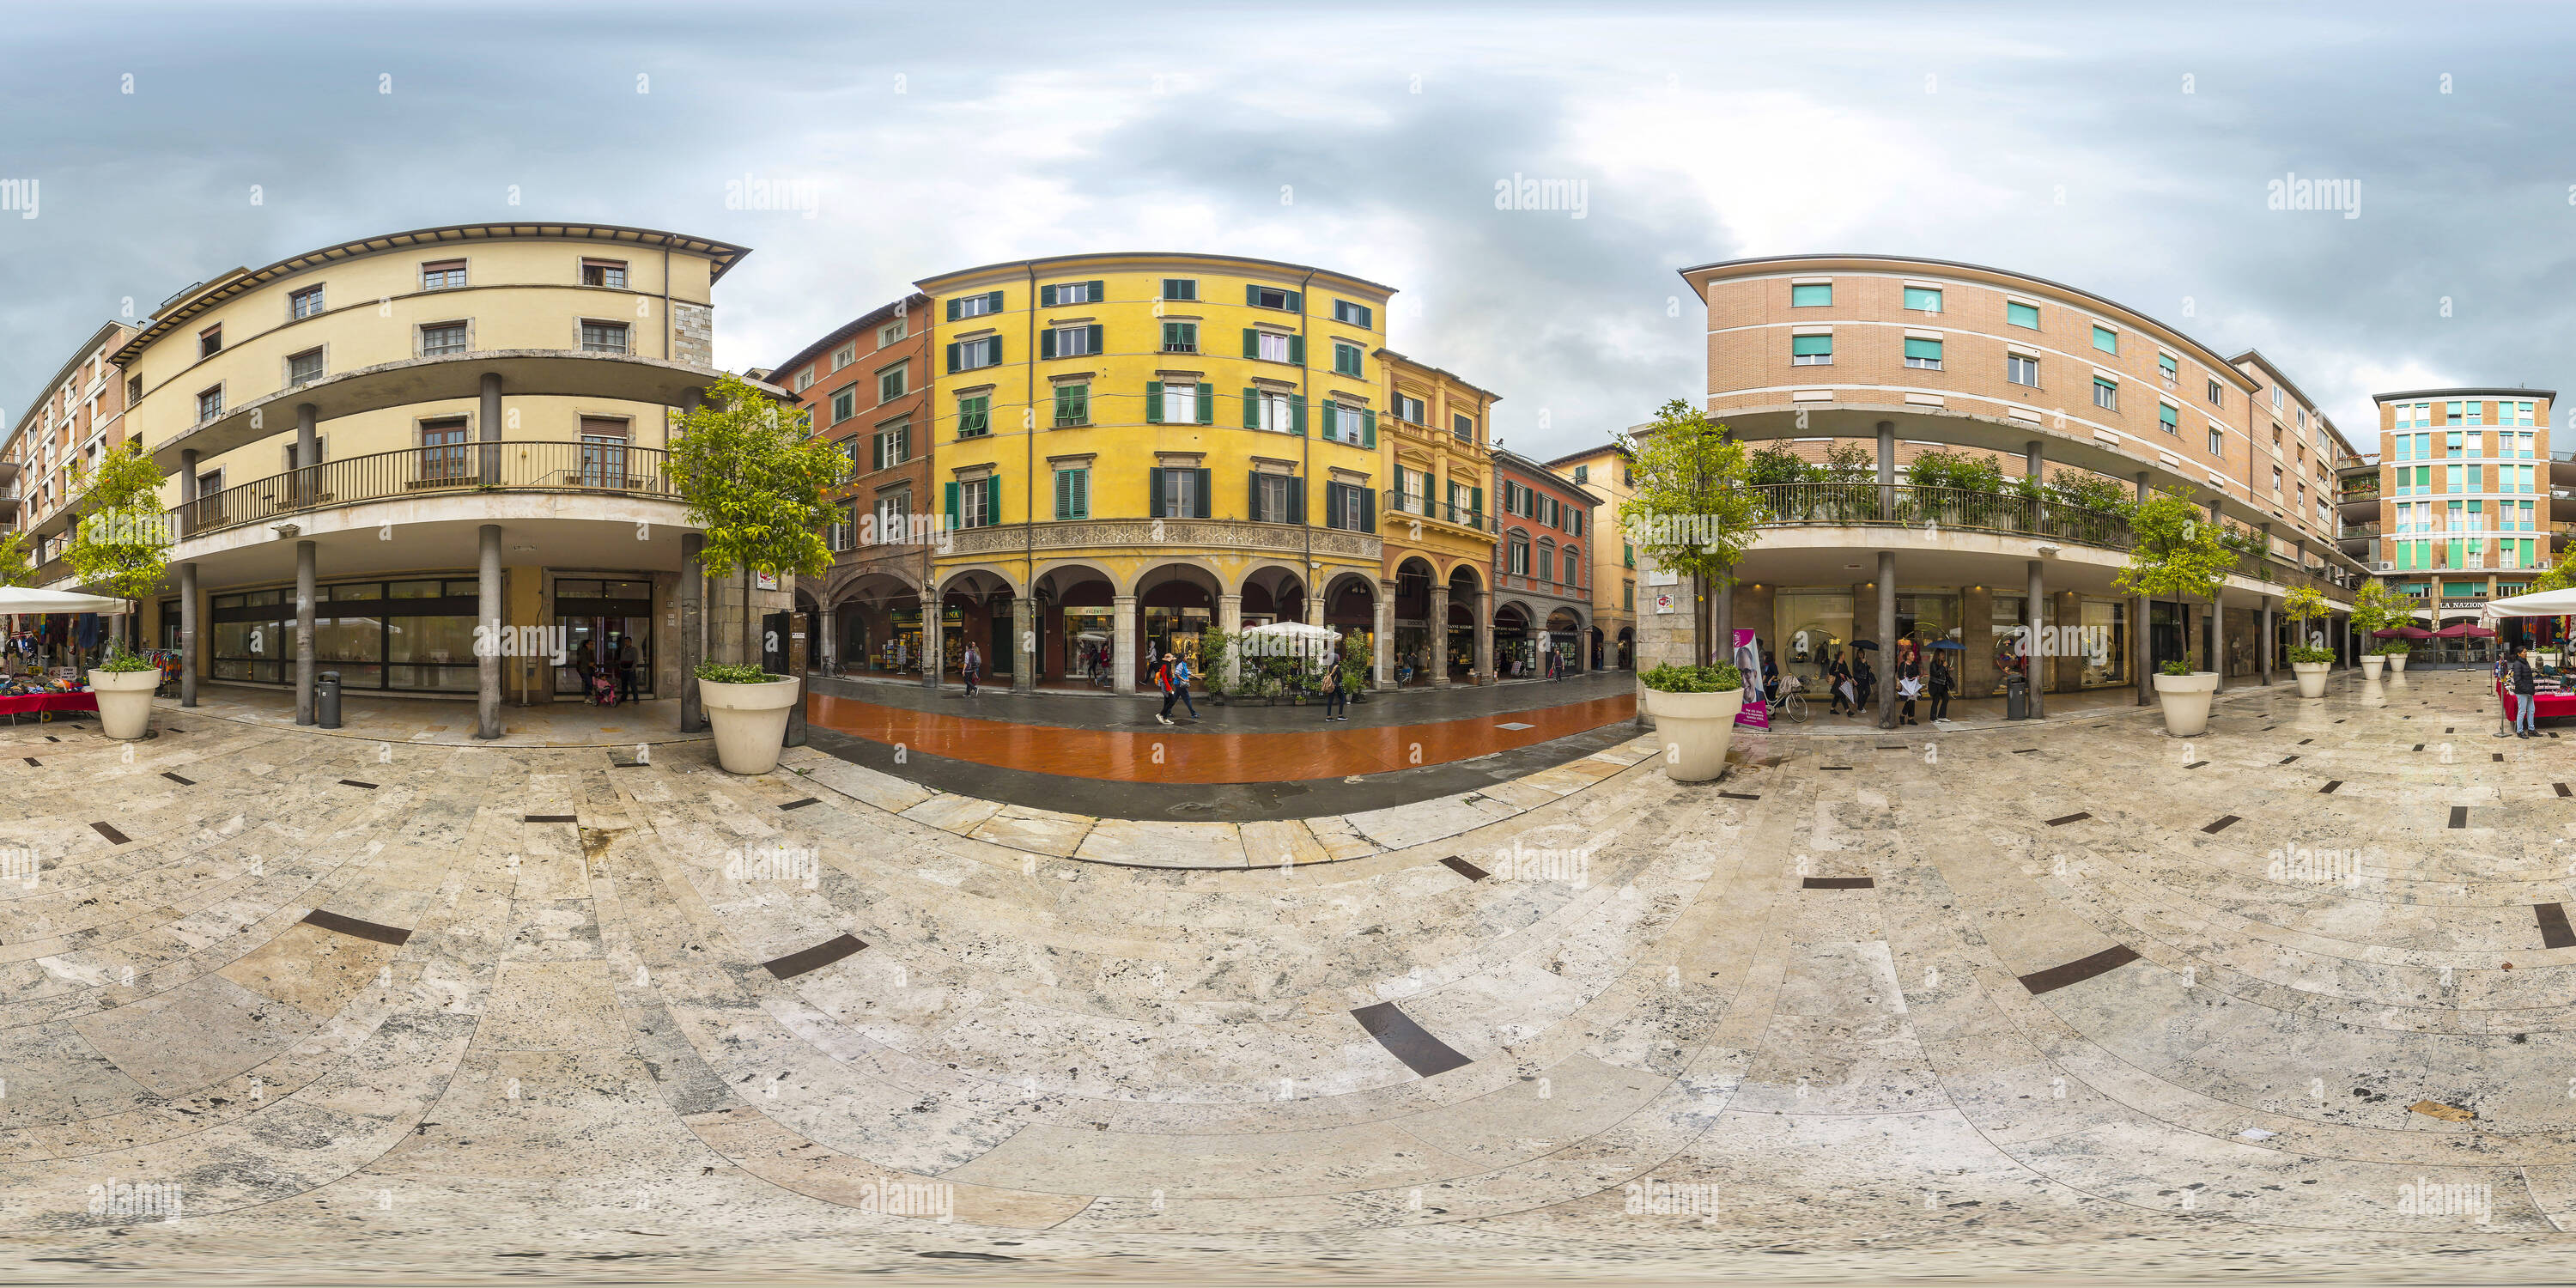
(1866, 681)
(1942, 682)
(2525, 695)
(1337, 700)
(2503, 671)
(630, 661)
(1173, 676)
(1909, 686)
(1838, 682)
(972, 667)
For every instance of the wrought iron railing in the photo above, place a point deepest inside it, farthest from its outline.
(1395, 503)
(430, 471)
(1904, 506)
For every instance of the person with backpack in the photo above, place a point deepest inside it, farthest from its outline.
(1173, 678)
(1336, 698)
(971, 667)
(2525, 696)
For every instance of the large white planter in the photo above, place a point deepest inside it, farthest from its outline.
(1694, 729)
(2370, 664)
(750, 722)
(2312, 678)
(2396, 662)
(124, 701)
(2186, 701)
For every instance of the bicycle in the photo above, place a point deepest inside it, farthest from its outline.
(1792, 703)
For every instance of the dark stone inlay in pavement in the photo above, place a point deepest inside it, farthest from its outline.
(1841, 767)
(351, 782)
(2328, 789)
(1463, 868)
(550, 818)
(1739, 796)
(2196, 764)
(2071, 818)
(33, 761)
(1841, 883)
(2025, 751)
(183, 782)
(357, 929)
(113, 836)
(2459, 816)
(2287, 759)
(814, 958)
(2222, 824)
(810, 800)
(2076, 972)
(2496, 756)
(51, 738)
(2305, 741)
(2554, 931)
(1405, 1040)
(2562, 789)
(2419, 746)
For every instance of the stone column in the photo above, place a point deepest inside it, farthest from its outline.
(827, 640)
(1122, 644)
(2035, 608)
(1484, 615)
(2143, 653)
(308, 443)
(2218, 638)
(1887, 471)
(490, 465)
(1314, 609)
(1382, 653)
(2266, 641)
(693, 628)
(1436, 650)
(1886, 667)
(1229, 619)
(188, 489)
(1024, 624)
(304, 632)
(188, 634)
(1721, 597)
(2033, 467)
(934, 648)
(487, 610)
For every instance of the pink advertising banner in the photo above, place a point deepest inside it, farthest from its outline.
(1756, 713)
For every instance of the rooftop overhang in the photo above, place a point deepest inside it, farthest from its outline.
(1824, 555)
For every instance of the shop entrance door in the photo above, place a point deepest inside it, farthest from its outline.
(596, 615)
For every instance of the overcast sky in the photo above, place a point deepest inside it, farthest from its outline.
(2127, 153)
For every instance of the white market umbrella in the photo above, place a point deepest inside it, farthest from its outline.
(2546, 603)
(27, 599)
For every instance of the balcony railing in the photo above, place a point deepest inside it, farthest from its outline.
(2356, 531)
(430, 471)
(2369, 493)
(1395, 503)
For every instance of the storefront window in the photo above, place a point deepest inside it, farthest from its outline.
(1810, 628)
(2106, 636)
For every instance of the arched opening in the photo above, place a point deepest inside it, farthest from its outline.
(1175, 605)
(1273, 595)
(975, 607)
(1459, 641)
(1627, 648)
(1412, 620)
(1350, 610)
(1076, 625)
(1514, 650)
(1565, 638)
(876, 624)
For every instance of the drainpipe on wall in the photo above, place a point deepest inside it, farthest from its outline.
(1306, 449)
(1029, 487)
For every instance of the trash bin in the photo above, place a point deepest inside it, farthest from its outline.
(2016, 698)
(326, 700)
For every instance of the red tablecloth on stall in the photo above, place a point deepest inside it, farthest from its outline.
(31, 703)
(2551, 704)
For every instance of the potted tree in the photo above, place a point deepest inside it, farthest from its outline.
(753, 476)
(1216, 647)
(1691, 512)
(1694, 710)
(2309, 661)
(122, 546)
(2175, 554)
(2372, 612)
(1359, 651)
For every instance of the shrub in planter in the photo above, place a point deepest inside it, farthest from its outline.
(2309, 661)
(123, 684)
(2178, 553)
(748, 708)
(1694, 712)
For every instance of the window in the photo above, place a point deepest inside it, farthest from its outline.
(2106, 394)
(1274, 412)
(890, 382)
(2217, 442)
(1180, 337)
(1573, 566)
(2020, 370)
(1274, 498)
(2302, 418)
(2167, 368)
(890, 446)
(1073, 492)
(211, 342)
(2276, 397)
(2026, 315)
(1068, 294)
(804, 380)
(974, 306)
(970, 355)
(1462, 428)
(1627, 596)
(2106, 339)
(443, 451)
(610, 273)
(894, 511)
(844, 356)
(1271, 346)
(1811, 350)
(978, 502)
(1408, 409)
(842, 533)
(1582, 474)
(1350, 507)
(304, 368)
(974, 416)
(304, 303)
(891, 332)
(442, 275)
(1811, 295)
(1346, 359)
(1923, 298)
(1071, 341)
(1923, 355)
(2276, 480)
(1272, 297)
(1179, 402)
(2477, 412)
(1356, 426)
(133, 390)
(210, 404)
(1072, 405)
(1350, 314)
(603, 337)
(2215, 392)
(845, 404)
(1176, 493)
(2170, 417)
(1180, 288)
(1520, 556)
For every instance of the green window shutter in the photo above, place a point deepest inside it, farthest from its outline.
(1297, 349)
(1153, 402)
(1296, 301)
(1046, 344)
(1202, 494)
(2168, 416)
(1297, 415)
(993, 348)
(1064, 494)
(2022, 315)
(1924, 299)
(992, 500)
(1367, 317)
(1099, 291)
(1252, 295)
(1252, 505)
(1368, 428)
(2106, 339)
(952, 310)
(1811, 346)
(1207, 407)
(1252, 409)
(1476, 504)
(1368, 509)
(1251, 343)
(1330, 411)
(1154, 493)
(1094, 329)
(1297, 508)
(993, 302)
(953, 350)
(1813, 294)
(948, 517)
(1046, 297)
(1923, 349)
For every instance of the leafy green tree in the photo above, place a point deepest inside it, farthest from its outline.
(2374, 609)
(753, 476)
(1691, 512)
(122, 543)
(2560, 576)
(1778, 463)
(16, 569)
(2178, 552)
(2302, 606)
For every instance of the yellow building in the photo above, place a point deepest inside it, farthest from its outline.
(1133, 448)
(1607, 472)
(432, 432)
(1437, 528)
